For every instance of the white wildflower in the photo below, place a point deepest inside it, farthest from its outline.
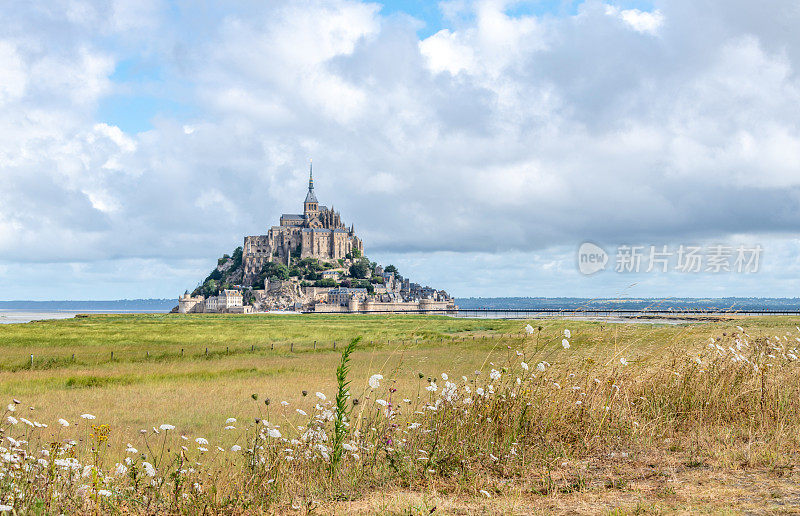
(236, 448)
(321, 396)
(567, 333)
(167, 427)
(382, 403)
(529, 329)
(63, 422)
(201, 441)
(274, 433)
(494, 375)
(149, 469)
(623, 361)
(565, 343)
(88, 416)
(524, 365)
(302, 412)
(375, 381)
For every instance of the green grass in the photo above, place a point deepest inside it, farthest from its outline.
(667, 411)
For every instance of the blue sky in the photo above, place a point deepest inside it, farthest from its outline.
(475, 143)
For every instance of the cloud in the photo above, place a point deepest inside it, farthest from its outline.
(502, 134)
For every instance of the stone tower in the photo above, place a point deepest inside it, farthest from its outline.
(311, 205)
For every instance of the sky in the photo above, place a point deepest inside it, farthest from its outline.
(474, 144)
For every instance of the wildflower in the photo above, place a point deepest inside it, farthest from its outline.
(567, 333)
(11, 407)
(444, 376)
(375, 381)
(556, 385)
(12, 420)
(230, 420)
(302, 412)
(88, 416)
(201, 441)
(121, 469)
(104, 492)
(349, 447)
(382, 403)
(131, 449)
(166, 427)
(229, 427)
(274, 433)
(149, 469)
(26, 421)
(406, 400)
(6, 508)
(485, 493)
(236, 448)
(565, 343)
(524, 365)
(203, 450)
(63, 422)
(529, 329)
(623, 361)
(540, 366)
(431, 388)
(321, 396)
(494, 375)
(479, 391)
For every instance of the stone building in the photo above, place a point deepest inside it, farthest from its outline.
(318, 233)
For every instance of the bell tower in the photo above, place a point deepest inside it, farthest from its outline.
(311, 205)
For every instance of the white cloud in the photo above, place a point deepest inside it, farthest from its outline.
(641, 21)
(495, 139)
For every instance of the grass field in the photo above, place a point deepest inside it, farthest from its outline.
(714, 432)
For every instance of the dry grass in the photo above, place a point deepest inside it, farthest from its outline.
(674, 426)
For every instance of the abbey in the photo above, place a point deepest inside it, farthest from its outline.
(317, 233)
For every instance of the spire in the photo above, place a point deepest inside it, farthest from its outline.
(310, 197)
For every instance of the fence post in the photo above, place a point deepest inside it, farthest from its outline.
(31, 360)
(252, 347)
(112, 356)
(291, 347)
(206, 351)
(271, 346)
(181, 351)
(315, 345)
(147, 354)
(226, 350)
(73, 357)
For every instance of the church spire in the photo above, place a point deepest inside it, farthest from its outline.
(310, 197)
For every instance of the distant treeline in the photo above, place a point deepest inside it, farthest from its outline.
(683, 303)
(138, 305)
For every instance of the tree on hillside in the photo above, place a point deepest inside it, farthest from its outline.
(360, 269)
(390, 268)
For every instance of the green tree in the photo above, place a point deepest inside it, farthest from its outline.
(360, 269)
(390, 268)
(327, 282)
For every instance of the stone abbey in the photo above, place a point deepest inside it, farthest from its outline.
(316, 233)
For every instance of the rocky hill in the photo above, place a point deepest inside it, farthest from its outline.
(287, 281)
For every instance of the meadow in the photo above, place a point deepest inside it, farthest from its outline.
(263, 414)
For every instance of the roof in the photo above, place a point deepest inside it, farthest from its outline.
(293, 216)
(310, 197)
